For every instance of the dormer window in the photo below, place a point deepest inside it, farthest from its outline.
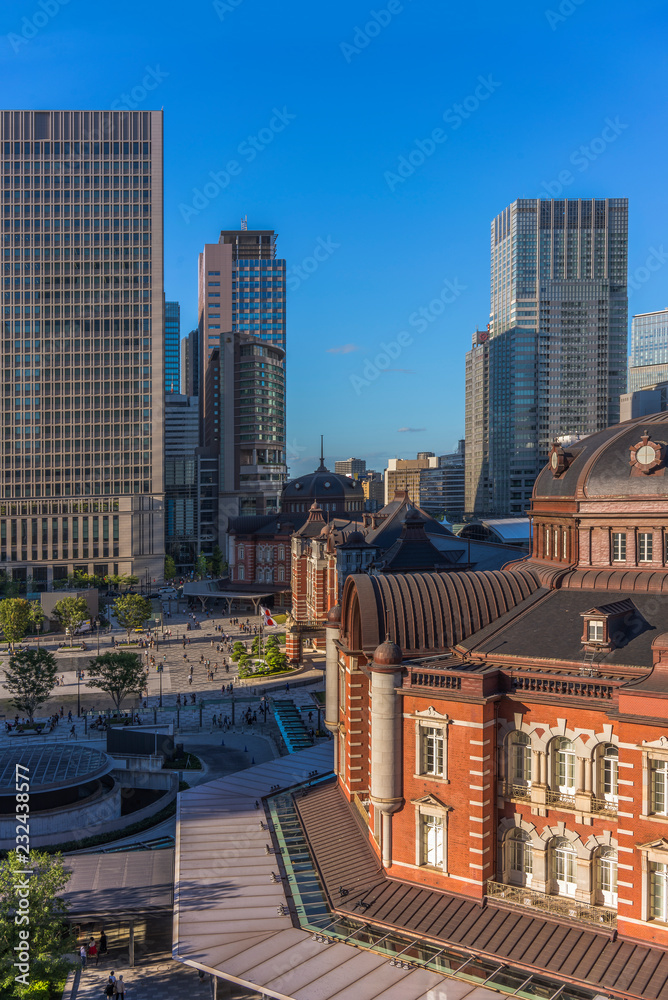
(595, 631)
(606, 626)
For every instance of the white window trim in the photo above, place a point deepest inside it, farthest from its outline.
(431, 807)
(431, 719)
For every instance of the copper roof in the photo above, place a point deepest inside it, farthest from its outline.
(430, 612)
(579, 954)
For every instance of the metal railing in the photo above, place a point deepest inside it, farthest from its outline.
(557, 906)
(561, 799)
(512, 791)
(604, 806)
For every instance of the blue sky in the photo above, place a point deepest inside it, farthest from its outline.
(337, 93)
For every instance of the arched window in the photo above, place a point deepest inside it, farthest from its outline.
(563, 761)
(281, 574)
(519, 759)
(606, 876)
(242, 573)
(281, 552)
(607, 772)
(519, 857)
(240, 552)
(563, 866)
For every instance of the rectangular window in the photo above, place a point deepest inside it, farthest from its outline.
(433, 750)
(547, 541)
(645, 546)
(564, 545)
(619, 546)
(433, 842)
(595, 632)
(75, 530)
(658, 792)
(658, 891)
(115, 528)
(84, 525)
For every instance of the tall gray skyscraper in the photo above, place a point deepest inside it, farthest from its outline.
(190, 371)
(557, 343)
(82, 448)
(242, 340)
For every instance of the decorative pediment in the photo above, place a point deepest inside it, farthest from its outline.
(431, 800)
(431, 713)
(660, 744)
(654, 845)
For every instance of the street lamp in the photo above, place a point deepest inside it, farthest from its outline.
(98, 636)
(80, 676)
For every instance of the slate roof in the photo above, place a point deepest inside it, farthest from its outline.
(551, 630)
(266, 524)
(573, 952)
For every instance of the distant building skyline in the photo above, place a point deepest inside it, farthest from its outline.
(648, 354)
(172, 347)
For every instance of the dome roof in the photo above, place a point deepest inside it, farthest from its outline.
(388, 654)
(601, 465)
(322, 485)
(334, 614)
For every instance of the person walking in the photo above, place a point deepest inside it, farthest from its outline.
(102, 950)
(92, 951)
(110, 988)
(120, 988)
(82, 956)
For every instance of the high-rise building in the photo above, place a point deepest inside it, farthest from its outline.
(355, 467)
(373, 487)
(82, 448)
(242, 318)
(190, 370)
(478, 489)
(172, 346)
(556, 357)
(434, 483)
(648, 362)
(182, 479)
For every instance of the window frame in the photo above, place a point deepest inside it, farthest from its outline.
(645, 546)
(619, 546)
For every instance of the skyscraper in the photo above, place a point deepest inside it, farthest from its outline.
(557, 334)
(172, 346)
(82, 448)
(190, 371)
(242, 331)
(355, 467)
(478, 489)
(648, 362)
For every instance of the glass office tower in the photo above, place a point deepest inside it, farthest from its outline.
(557, 331)
(83, 387)
(648, 362)
(172, 347)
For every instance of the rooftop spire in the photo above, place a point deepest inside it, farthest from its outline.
(322, 467)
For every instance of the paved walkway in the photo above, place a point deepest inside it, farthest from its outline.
(163, 980)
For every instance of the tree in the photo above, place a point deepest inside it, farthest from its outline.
(30, 677)
(15, 616)
(44, 933)
(118, 675)
(122, 580)
(37, 616)
(216, 561)
(132, 611)
(71, 613)
(170, 568)
(200, 566)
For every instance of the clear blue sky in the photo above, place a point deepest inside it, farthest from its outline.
(361, 100)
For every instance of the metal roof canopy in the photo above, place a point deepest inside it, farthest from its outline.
(50, 765)
(120, 886)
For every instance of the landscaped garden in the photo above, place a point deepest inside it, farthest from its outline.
(264, 659)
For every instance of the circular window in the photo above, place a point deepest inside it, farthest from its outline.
(327, 485)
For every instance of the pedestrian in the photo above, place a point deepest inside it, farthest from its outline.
(120, 988)
(82, 955)
(110, 988)
(103, 943)
(72, 732)
(92, 951)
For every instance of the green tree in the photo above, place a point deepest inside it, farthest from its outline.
(15, 617)
(170, 568)
(118, 674)
(216, 562)
(122, 581)
(36, 616)
(201, 566)
(49, 935)
(30, 678)
(132, 611)
(71, 613)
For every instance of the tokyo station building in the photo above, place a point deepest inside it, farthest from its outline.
(501, 737)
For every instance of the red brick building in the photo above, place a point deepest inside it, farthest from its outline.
(504, 734)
